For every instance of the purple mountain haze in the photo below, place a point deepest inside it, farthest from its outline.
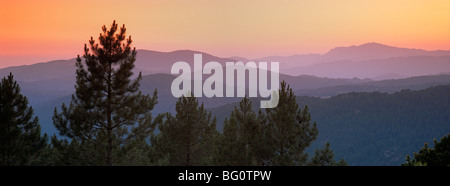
(371, 60)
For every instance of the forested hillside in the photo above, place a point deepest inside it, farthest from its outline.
(376, 128)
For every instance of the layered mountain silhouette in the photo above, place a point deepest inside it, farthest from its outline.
(398, 67)
(371, 51)
(370, 60)
(334, 75)
(340, 70)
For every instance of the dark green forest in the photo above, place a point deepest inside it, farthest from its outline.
(376, 128)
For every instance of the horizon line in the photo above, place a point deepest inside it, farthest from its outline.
(236, 56)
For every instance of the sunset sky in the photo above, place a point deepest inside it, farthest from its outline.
(39, 31)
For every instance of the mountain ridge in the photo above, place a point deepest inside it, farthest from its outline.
(151, 61)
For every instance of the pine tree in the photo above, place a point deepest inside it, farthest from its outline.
(107, 109)
(186, 138)
(20, 133)
(240, 137)
(263, 149)
(135, 153)
(61, 152)
(228, 151)
(289, 130)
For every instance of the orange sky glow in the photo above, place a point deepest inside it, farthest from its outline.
(39, 31)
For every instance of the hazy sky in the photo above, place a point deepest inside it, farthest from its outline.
(37, 31)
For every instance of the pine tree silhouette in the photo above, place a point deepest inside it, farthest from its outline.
(107, 109)
(20, 133)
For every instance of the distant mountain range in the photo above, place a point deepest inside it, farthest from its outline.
(147, 62)
(44, 82)
(336, 75)
(341, 66)
(371, 60)
(370, 51)
(379, 69)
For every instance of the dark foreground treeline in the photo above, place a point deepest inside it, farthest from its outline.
(109, 122)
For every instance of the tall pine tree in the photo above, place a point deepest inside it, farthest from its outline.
(187, 138)
(107, 109)
(289, 130)
(20, 133)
